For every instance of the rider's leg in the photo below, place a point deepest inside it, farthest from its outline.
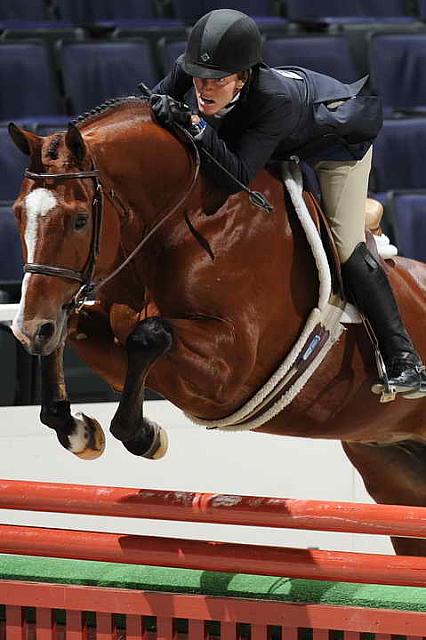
(344, 190)
(366, 279)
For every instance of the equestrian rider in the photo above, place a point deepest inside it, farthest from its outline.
(247, 114)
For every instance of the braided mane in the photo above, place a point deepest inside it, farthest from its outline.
(87, 117)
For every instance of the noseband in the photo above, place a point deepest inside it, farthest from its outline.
(85, 277)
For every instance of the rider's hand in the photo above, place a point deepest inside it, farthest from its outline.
(169, 111)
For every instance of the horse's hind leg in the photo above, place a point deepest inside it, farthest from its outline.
(80, 435)
(150, 340)
(394, 474)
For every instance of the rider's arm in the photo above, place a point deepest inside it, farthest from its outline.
(254, 146)
(276, 118)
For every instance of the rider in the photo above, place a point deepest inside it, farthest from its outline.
(247, 114)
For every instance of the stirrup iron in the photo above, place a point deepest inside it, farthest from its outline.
(386, 391)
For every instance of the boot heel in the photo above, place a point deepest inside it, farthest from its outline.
(414, 395)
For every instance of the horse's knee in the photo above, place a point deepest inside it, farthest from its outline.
(152, 337)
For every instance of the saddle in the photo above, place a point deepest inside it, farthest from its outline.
(324, 325)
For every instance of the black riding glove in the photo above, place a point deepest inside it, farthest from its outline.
(169, 111)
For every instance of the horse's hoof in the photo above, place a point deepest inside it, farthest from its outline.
(159, 443)
(163, 446)
(88, 443)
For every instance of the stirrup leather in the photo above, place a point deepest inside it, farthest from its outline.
(386, 391)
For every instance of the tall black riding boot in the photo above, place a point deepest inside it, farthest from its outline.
(366, 282)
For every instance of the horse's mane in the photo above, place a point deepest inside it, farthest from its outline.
(90, 116)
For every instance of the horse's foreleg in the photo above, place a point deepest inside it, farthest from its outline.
(80, 435)
(150, 340)
(91, 336)
(394, 474)
(204, 369)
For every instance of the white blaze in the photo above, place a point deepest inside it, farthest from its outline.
(38, 203)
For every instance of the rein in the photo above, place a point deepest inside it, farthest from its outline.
(85, 277)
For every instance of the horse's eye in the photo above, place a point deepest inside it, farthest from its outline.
(80, 221)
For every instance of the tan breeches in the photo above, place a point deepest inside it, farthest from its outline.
(344, 187)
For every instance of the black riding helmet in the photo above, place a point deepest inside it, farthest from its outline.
(222, 42)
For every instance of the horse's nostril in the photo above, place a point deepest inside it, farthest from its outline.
(46, 331)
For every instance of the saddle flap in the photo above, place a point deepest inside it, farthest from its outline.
(323, 227)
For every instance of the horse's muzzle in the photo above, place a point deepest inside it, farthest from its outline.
(40, 336)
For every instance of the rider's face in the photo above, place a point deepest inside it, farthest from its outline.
(214, 94)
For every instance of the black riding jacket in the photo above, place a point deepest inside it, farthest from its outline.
(282, 113)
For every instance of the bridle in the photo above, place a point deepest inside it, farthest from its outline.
(86, 276)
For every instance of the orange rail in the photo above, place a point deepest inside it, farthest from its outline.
(199, 611)
(214, 508)
(214, 556)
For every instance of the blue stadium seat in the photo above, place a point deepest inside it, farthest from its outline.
(12, 165)
(421, 9)
(409, 220)
(325, 54)
(300, 9)
(398, 155)
(251, 7)
(84, 12)
(22, 10)
(188, 10)
(10, 246)
(169, 51)
(191, 10)
(27, 81)
(49, 127)
(98, 70)
(263, 11)
(49, 32)
(398, 68)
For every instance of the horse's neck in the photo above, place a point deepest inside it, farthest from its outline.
(146, 166)
(150, 171)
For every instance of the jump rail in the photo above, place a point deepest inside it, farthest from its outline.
(214, 508)
(149, 613)
(219, 509)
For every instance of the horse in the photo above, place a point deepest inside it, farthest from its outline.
(200, 295)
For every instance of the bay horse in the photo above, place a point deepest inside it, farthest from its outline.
(205, 311)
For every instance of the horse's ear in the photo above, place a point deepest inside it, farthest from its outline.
(26, 141)
(75, 143)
